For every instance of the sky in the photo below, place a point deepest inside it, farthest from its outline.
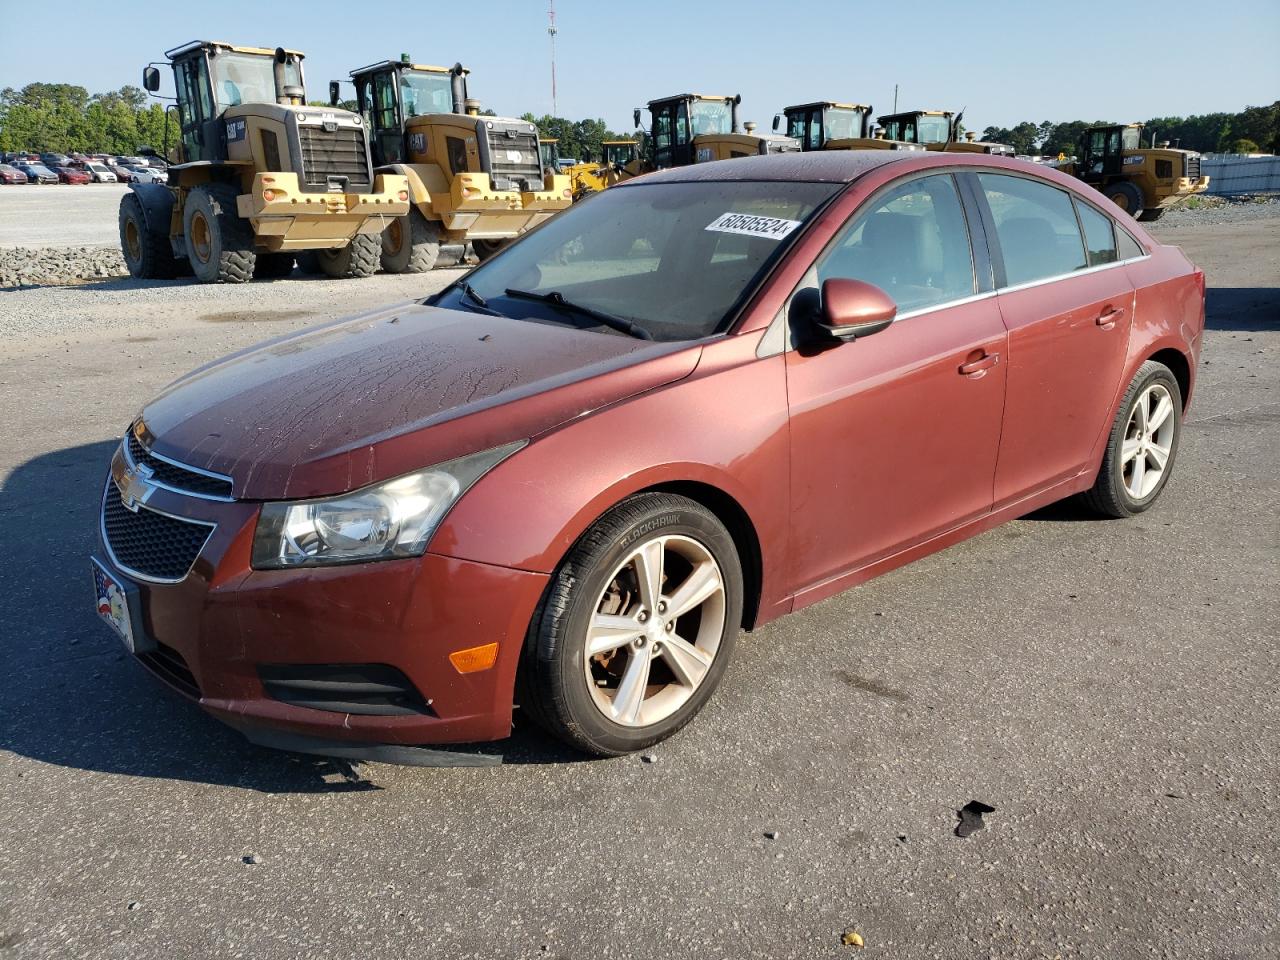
(1005, 61)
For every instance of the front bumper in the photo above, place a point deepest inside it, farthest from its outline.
(1178, 190)
(472, 209)
(293, 219)
(220, 625)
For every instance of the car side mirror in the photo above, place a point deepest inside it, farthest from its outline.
(777, 122)
(335, 93)
(151, 79)
(852, 309)
(635, 118)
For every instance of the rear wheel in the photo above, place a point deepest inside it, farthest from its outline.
(273, 266)
(147, 252)
(411, 244)
(219, 242)
(487, 248)
(357, 259)
(1126, 196)
(1148, 216)
(637, 627)
(1142, 445)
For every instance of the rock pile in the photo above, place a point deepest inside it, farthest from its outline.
(25, 267)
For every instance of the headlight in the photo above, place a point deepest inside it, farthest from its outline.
(391, 519)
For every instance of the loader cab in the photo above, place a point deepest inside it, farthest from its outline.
(813, 124)
(209, 78)
(677, 120)
(1102, 149)
(390, 93)
(920, 126)
(620, 153)
(549, 154)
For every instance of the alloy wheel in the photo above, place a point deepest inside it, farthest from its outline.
(1148, 441)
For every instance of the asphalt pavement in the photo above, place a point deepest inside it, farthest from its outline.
(1108, 687)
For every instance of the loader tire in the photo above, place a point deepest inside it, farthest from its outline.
(147, 252)
(1126, 196)
(411, 244)
(219, 242)
(487, 248)
(357, 259)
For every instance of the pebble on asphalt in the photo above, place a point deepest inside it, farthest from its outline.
(251, 859)
(852, 938)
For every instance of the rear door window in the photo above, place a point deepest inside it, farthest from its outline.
(912, 243)
(1099, 235)
(1036, 226)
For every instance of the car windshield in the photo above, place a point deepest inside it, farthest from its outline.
(674, 259)
(710, 116)
(40, 169)
(423, 93)
(1131, 138)
(840, 123)
(932, 129)
(248, 78)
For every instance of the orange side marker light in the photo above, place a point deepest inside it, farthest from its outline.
(474, 659)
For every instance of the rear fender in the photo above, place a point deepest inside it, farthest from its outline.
(157, 204)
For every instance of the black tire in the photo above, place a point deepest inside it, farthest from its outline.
(1126, 196)
(411, 244)
(273, 266)
(552, 686)
(1149, 216)
(1110, 496)
(356, 260)
(219, 243)
(146, 251)
(484, 249)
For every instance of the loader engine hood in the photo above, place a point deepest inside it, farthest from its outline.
(326, 147)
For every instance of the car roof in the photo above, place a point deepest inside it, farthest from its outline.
(831, 166)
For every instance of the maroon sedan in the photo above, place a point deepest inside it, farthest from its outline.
(690, 405)
(72, 175)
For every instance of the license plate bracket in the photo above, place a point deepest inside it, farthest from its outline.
(119, 603)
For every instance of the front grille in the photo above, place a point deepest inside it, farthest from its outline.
(149, 544)
(515, 163)
(364, 689)
(168, 664)
(1191, 166)
(175, 476)
(335, 153)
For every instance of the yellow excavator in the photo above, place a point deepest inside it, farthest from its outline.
(831, 125)
(257, 177)
(938, 130)
(1142, 181)
(472, 178)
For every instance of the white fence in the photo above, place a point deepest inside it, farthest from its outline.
(1233, 176)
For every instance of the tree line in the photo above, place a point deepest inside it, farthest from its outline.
(579, 139)
(1252, 130)
(64, 118)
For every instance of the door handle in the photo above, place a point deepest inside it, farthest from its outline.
(984, 362)
(1107, 319)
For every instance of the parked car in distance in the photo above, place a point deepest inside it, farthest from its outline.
(123, 173)
(11, 174)
(142, 173)
(37, 172)
(699, 401)
(54, 160)
(74, 175)
(99, 172)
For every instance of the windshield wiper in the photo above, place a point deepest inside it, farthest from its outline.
(473, 300)
(556, 299)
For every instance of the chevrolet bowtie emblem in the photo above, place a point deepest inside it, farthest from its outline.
(135, 486)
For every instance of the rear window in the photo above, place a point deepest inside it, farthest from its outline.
(1036, 226)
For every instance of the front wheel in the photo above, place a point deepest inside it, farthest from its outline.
(637, 627)
(487, 248)
(410, 244)
(1142, 445)
(357, 259)
(1126, 196)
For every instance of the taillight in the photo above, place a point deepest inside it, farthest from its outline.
(268, 195)
(403, 195)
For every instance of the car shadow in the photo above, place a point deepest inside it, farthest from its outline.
(74, 698)
(1242, 308)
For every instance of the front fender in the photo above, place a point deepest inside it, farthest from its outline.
(157, 204)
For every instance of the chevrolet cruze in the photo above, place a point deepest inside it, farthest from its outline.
(687, 406)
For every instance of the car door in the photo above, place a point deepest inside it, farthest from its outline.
(1068, 322)
(894, 437)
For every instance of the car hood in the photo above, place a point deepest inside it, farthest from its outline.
(352, 402)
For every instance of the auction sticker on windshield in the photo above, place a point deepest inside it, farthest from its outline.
(751, 225)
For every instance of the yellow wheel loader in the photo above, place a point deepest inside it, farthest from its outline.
(258, 176)
(830, 125)
(695, 128)
(472, 178)
(938, 130)
(619, 162)
(1144, 182)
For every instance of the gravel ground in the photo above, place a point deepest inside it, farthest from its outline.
(1108, 687)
